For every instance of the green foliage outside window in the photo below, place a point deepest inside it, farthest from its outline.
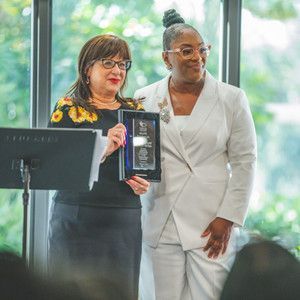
(15, 16)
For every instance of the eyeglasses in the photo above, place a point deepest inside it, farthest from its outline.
(189, 52)
(109, 63)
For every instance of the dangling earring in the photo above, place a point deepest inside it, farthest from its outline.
(87, 80)
(169, 67)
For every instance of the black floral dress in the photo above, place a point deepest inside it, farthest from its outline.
(95, 237)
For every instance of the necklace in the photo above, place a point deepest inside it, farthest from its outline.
(110, 103)
(95, 100)
(103, 105)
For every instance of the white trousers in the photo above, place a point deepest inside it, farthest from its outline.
(169, 273)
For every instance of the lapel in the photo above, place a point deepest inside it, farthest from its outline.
(201, 111)
(172, 133)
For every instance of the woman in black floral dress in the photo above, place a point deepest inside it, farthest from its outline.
(95, 237)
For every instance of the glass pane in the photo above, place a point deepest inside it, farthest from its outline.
(270, 72)
(15, 30)
(138, 22)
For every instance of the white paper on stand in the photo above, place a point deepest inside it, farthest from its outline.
(99, 148)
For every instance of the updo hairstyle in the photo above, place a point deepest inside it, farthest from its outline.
(174, 25)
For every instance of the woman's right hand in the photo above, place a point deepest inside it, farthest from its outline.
(116, 138)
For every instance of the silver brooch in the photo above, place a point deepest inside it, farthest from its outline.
(164, 111)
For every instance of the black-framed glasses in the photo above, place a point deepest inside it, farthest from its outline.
(189, 52)
(110, 63)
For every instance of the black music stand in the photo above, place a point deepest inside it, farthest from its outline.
(48, 159)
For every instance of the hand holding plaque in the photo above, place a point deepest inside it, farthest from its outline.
(141, 155)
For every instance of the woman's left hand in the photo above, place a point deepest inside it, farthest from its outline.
(219, 231)
(139, 185)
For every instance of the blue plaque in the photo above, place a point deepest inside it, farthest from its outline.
(141, 155)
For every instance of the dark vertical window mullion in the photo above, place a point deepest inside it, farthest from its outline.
(41, 62)
(40, 109)
(231, 39)
(223, 42)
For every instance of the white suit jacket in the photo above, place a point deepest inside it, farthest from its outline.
(207, 169)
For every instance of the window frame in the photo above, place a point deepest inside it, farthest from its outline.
(40, 97)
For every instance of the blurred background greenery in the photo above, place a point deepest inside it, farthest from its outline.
(269, 74)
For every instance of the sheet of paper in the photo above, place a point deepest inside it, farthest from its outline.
(99, 148)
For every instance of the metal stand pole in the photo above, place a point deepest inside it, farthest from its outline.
(25, 173)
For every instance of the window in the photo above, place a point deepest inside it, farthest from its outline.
(270, 76)
(15, 30)
(138, 22)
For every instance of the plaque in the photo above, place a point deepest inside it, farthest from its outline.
(141, 154)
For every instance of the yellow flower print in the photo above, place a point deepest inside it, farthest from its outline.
(131, 104)
(56, 116)
(91, 117)
(135, 104)
(64, 101)
(140, 106)
(78, 115)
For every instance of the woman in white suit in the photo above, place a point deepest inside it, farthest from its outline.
(191, 218)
